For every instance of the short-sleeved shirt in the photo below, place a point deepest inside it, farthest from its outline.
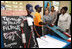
(37, 19)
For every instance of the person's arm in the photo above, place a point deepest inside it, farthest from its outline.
(68, 23)
(55, 17)
(44, 19)
(40, 21)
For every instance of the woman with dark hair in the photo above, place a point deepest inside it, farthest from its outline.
(46, 19)
(53, 15)
(64, 20)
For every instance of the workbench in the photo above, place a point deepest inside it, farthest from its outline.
(51, 42)
(54, 38)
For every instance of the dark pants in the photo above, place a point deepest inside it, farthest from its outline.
(39, 31)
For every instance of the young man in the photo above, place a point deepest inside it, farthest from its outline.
(37, 20)
(28, 28)
(64, 20)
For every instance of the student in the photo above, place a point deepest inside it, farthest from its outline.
(53, 15)
(28, 28)
(37, 20)
(46, 19)
(64, 20)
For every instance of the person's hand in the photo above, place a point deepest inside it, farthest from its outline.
(51, 25)
(38, 35)
(67, 30)
(46, 22)
(22, 24)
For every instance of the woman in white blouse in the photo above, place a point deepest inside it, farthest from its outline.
(64, 20)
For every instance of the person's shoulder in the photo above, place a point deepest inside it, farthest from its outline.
(67, 14)
(31, 16)
(60, 14)
(50, 11)
(44, 15)
(36, 14)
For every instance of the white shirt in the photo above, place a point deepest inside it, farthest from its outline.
(64, 21)
(30, 21)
